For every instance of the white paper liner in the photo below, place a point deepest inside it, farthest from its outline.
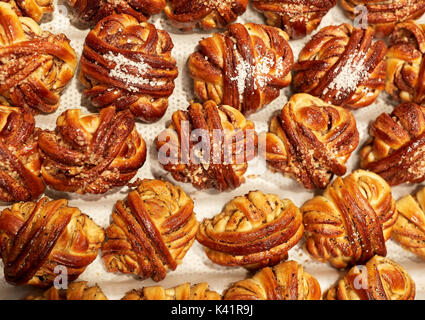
(196, 267)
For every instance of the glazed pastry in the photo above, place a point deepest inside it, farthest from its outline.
(297, 18)
(351, 221)
(225, 164)
(75, 291)
(91, 153)
(244, 67)
(406, 63)
(92, 11)
(37, 237)
(311, 140)
(342, 66)
(409, 229)
(384, 14)
(185, 291)
(396, 148)
(253, 231)
(20, 178)
(128, 65)
(35, 65)
(151, 231)
(285, 281)
(205, 14)
(380, 279)
(34, 9)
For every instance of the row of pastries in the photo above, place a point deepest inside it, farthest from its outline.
(152, 229)
(128, 72)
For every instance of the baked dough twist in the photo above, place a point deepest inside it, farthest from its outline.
(297, 18)
(76, 291)
(128, 65)
(92, 11)
(380, 279)
(38, 237)
(34, 9)
(396, 148)
(229, 142)
(151, 231)
(285, 281)
(311, 140)
(409, 229)
(91, 153)
(35, 65)
(253, 231)
(184, 291)
(406, 63)
(351, 221)
(205, 14)
(383, 15)
(20, 178)
(342, 66)
(244, 67)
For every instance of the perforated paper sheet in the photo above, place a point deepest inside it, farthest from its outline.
(196, 267)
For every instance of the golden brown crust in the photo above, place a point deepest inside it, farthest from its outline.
(216, 169)
(254, 231)
(384, 14)
(285, 281)
(34, 9)
(342, 66)
(91, 153)
(20, 178)
(76, 291)
(36, 237)
(351, 221)
(35, 65)
(244, 67)
(92, 11)
(205, 14)
(406, 63)
(396, 148)
(297, 18)
(311, 140)
(151, 231)
(380, 279)
(128, 65)
(409, 229)
(185, 291)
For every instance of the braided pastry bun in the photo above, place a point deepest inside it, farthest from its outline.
(151, 231)
(37, 237)
(311, 140)
(383, 15)
(396, 148)
(219, 164)
(409, 229)
(92, 11)
(253, 231)
(205, 14)
(34, 9)
(380, 279)
(342, 66)
(297, 18)
(406, 63)
(35, 65)
(91, 153)
(244, 67)
(184, 291)
(285, 281)
(75, 291)
(20, 178)
(351, 221)
(128, 65)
